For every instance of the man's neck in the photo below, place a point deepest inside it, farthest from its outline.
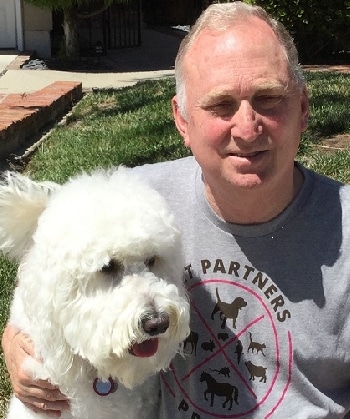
(256, 206)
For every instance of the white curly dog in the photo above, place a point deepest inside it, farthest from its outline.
(99, 289)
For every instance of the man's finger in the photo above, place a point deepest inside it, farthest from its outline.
(54, 391)
(41, 405)
(48, 412)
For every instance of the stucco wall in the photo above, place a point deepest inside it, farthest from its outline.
(8, 24)
(37, 24)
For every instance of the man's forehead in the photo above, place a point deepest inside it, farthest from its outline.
(214, 51)
(241, 30)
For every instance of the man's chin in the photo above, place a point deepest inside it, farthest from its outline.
(246, 181)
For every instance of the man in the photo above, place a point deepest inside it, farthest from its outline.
(265, 239)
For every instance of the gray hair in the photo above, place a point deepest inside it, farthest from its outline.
(222, 16)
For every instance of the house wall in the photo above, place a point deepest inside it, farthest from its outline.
(8, 24)
(37, 25)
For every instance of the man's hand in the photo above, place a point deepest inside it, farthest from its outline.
(37, 395)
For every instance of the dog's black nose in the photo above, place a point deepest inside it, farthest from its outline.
(156, 325)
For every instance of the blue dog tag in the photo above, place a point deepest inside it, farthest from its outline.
(104, 388)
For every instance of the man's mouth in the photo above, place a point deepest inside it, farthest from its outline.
(246, 155)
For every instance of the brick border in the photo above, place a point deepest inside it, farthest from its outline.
(24, 116)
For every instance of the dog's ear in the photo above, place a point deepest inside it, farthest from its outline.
(22, 201)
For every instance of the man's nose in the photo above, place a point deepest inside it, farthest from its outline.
(245, 123)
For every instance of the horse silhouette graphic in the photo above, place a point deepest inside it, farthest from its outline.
(214, 388)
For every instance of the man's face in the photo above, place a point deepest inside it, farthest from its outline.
(245, 113)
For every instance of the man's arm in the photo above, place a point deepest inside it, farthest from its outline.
(38, 395)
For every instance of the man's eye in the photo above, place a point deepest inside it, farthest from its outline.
(267, 102)
(112, 267)
(222, 109)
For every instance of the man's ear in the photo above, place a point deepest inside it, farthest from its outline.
(305, 110)
(180, 121)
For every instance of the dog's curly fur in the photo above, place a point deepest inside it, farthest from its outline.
(99, 288)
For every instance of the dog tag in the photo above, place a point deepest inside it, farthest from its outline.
(104, 388)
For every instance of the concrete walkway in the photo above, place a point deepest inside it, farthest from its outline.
(154, 59)
(6, 58)
(27, 81)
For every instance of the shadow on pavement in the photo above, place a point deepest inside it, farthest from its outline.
(157, 52)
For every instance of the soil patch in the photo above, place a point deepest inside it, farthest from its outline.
(338, 143)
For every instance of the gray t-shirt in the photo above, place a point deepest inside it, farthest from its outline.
(270, 325)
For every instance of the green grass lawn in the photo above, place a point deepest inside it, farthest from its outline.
(134, 125)
(129, 126)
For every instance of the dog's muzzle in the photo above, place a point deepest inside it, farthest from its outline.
(153, 326)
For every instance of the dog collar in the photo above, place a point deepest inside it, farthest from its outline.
(104, 388)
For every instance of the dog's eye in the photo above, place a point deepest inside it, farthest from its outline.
(112, 267)
(149, 262)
